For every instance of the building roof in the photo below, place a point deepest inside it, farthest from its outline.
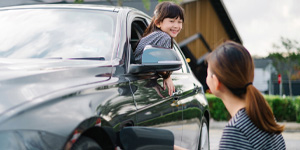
(262, 63)
(226, 20)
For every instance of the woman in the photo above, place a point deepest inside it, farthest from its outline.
(230, 75)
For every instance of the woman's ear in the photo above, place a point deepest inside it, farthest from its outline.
(216, 82)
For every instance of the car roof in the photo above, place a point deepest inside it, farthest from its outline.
(110, 8)
(70, 6)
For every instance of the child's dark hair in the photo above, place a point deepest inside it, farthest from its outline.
(164, 10)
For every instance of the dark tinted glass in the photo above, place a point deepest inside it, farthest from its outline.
(56, 33)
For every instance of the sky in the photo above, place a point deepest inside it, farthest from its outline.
(261, 23)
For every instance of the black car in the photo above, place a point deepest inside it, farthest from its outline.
(67, 77)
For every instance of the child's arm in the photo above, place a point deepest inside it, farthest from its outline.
(168, 83)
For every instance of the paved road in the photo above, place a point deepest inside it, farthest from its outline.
(291, 136)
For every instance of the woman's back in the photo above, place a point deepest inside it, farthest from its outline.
(241, 133)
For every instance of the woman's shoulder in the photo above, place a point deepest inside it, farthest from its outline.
(245, 130)
(239, 118)
(242, 122)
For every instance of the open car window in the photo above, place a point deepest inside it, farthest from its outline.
(138, 27)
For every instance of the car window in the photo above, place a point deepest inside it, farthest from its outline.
(137, 30)
(58, 33)
(184, 68)
(138, 27)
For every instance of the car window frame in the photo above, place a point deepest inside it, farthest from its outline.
(135, 17)
(185, 67)
(132, 17)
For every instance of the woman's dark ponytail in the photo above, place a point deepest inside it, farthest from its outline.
(260, 112)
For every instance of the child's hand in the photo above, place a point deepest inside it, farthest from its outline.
(178, 148)
(169, 84)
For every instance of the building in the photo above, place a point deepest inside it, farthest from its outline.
(263, 75)
(209, 18)
(266, 79)
(207, 25)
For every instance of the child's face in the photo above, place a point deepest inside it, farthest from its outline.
(172, 26)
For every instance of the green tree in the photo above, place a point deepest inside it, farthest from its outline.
(78, 1)
(287, 58)
(147, 3)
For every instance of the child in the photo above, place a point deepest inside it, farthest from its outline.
(230, 75)
(165, 25)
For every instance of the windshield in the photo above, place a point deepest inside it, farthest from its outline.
(56, 33)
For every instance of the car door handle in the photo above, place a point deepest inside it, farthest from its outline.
(197, 88)
(176, 94)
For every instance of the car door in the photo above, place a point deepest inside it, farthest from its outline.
(180, 113)
(155, 108)
(118, 106)
(191, 98)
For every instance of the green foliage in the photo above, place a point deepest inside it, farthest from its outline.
(147, 4)
(297, 108)
(217, 110)
(78, 1)
(175, 1)
(191, 113)
(284, 109)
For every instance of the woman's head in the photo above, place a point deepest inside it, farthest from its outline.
(168, 17)
(232, 64)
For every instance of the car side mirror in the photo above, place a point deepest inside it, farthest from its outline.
(157, 59)
(143, 138)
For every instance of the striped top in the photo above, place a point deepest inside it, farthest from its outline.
(241, 133)
(156, 38)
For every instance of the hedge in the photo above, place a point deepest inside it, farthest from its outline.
(284, 109)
